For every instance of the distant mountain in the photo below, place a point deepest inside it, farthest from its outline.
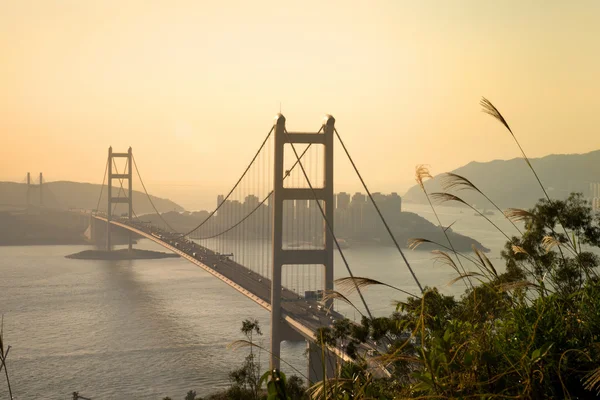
(65, 195)
(511, 183)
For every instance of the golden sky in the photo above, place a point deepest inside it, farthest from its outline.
(193, 86)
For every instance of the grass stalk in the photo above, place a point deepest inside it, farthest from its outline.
(490, 109)
(3, 355)
(421, 173)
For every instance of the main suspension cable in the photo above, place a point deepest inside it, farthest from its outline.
(239, 222)
(378, 210)
(257, 207)
(102, 187)
(148, 195)
(232, 189)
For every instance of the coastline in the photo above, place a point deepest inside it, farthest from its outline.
(121, 254)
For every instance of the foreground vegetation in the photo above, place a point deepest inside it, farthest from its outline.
(532, 332)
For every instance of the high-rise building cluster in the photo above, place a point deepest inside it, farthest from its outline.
(256, 217)
(355, 217)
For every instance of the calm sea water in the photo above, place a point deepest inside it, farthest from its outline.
(146, 329)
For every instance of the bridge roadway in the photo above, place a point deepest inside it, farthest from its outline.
(303, 315)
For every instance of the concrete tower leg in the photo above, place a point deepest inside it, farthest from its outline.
(319, 362)
(109, 207)
(328, 131)
(129, 178)
(28, 190)
(277, 232)
(41, 190)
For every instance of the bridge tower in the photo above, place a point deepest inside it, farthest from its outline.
(322, 192)
(30, 186)
(128, 175)
(41, 190)
(28, 190)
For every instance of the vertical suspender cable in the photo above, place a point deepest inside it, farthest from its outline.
(235, 186)
(102, 187)
(148, 195)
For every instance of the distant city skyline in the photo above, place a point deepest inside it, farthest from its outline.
(355, 216)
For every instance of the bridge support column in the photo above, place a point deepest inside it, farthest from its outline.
(277, 233)
(127, 199)
(322, 194)
(130, 195)
(321, 363)
(92, 229)
(109, 208)
(28, 190)
(41, 190)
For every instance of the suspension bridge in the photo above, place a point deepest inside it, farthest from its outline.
(271, 237)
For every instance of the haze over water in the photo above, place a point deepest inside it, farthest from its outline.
(152, 328)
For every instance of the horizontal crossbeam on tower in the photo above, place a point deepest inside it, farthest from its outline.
(123, 155)
(303, 194)
(291, 257)
(304, 138)
(320, 132)
(119, 176)
(119, 200)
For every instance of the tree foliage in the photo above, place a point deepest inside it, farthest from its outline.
(532, 331)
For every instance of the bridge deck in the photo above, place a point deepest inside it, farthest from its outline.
(304, 316)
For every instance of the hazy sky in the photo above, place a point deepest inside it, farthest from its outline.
(193, 86)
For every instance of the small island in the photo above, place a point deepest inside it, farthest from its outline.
(122, 254)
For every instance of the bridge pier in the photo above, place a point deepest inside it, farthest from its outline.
(320, 360)
(321, 363)
(96, 233)
(90, 233)
(109, 208)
